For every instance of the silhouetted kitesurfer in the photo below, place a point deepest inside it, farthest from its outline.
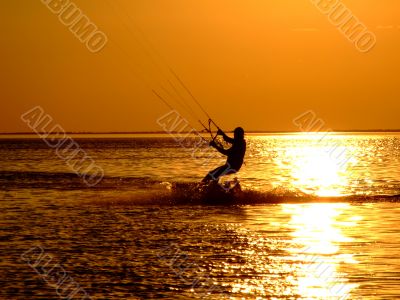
(235, 155)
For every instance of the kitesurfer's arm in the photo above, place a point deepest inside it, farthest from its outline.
(226, 138)
(220, 149)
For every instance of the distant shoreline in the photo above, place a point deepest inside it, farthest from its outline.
(163, 132)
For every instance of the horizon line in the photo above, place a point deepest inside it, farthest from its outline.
(183, 132)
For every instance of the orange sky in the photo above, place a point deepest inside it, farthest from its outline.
(257, 63)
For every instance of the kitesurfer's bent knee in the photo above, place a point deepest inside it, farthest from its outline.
(218, 172)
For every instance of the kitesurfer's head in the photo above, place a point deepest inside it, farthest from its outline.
(239, 133)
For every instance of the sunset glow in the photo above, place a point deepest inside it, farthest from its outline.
(260, 62)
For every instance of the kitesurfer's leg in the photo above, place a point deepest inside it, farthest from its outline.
(218, 172)
(214, 174)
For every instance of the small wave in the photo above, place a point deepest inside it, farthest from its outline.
(249, 197)
(190, 194)
(68, 181)
(145, 190)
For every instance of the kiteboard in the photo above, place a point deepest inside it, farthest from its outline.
(213, 192)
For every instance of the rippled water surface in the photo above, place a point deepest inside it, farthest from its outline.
(113, 247)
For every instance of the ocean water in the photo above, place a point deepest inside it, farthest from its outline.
(317, 219)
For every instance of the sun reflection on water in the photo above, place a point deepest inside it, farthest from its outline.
(297, 252)
(321, 170)
(317, 231)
